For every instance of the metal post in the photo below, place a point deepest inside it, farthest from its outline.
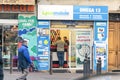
(88, 66)
(99, 66)
(51, 63)
(85, 68)
(11, 61)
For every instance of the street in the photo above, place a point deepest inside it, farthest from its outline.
(42, 76)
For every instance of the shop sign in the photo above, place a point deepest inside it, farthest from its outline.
(90, 13)
(55, 12)
(70, 12)
(43, 24)
(17, 8)
(20, 2)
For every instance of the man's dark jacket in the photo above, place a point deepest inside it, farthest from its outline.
(1, 65)
(23, 57)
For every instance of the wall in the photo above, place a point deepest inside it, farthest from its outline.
(112, 4)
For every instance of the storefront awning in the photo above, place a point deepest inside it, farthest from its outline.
(18, 2)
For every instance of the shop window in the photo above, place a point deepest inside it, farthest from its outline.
(10, 36)
(8, 15)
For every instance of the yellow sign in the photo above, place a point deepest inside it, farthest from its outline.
(45, 42)
(20, 2)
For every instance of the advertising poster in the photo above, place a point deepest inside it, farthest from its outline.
(43, 62)
(27, 30)
(101, 44)
(83, 46)
(43, 52)
(100, 31)
(101, 52)
(43, 45)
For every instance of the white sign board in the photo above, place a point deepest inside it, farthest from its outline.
(55, 12)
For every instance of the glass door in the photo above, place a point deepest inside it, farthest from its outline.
(81, 44)
(9, 44)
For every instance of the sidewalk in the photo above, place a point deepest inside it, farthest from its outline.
(43, 76)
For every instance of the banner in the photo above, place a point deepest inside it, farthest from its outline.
(83, 46)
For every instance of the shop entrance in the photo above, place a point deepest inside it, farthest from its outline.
(80, 43)
(114, 46)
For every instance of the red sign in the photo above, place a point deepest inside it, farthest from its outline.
(17, 8)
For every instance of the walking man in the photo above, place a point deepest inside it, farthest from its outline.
(23, 60)
(1, 64)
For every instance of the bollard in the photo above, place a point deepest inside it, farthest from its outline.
(51, 64)
(98, 66)
(85, 68)
(88, 66)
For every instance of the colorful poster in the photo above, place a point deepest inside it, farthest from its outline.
(83, 46)
(43, 52)
(27, 30)
(100, 45)
(43, 45)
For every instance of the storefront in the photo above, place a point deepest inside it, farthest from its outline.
(85, 27)
(9, 12)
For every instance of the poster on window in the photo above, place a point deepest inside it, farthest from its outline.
(100, 50)
(83, 46)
